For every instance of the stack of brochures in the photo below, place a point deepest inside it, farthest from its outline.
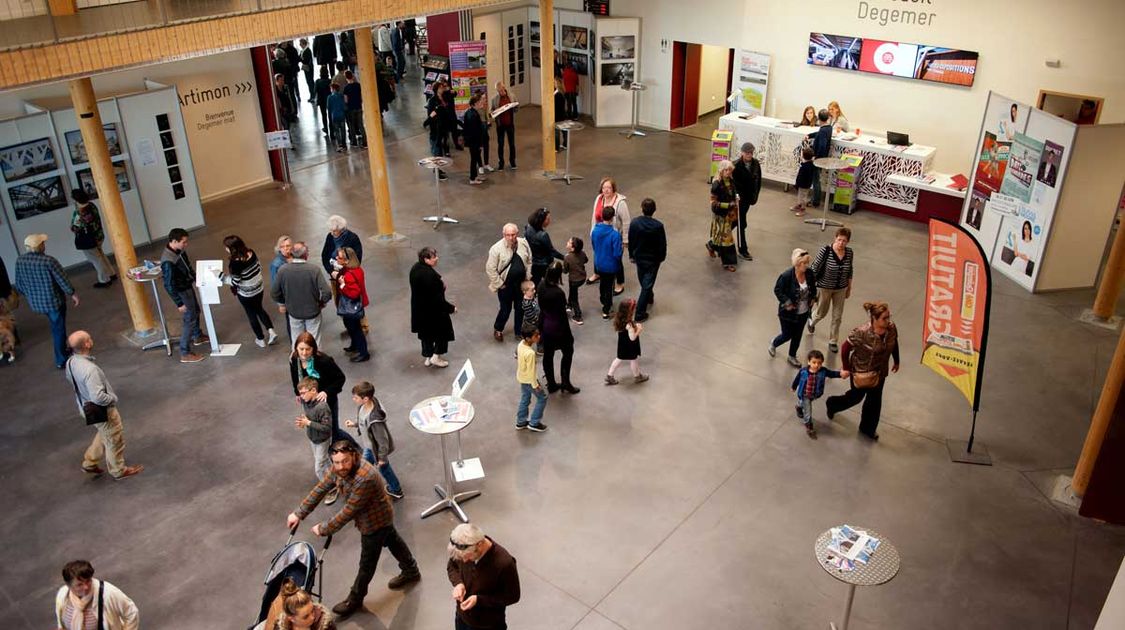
(439, 412)
(849, 546)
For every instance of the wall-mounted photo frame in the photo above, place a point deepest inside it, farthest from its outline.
(37, 197)
(162, 122)
(619, 47)
(174, 174)
(166, 140)
(533, 28)
(26, 159)
(170, 157)
(580, 61)
(617, 73)
(535, 60)
(76, 146)
(86, 180)
(575, 37)
(178, 190)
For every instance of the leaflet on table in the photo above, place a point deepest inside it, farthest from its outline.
(436, 413)
(852, 545)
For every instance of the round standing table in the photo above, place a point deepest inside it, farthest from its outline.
(435, 164)
(151, 276)
(442, 427)
(566, 127)
(831, 165)
(882, 568)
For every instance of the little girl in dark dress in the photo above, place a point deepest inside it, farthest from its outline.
(628, 342)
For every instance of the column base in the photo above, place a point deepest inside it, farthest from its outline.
(394, 238)
(1088, 317)
(1064, 494)
(142, 338)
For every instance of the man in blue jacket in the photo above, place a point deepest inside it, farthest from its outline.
(648, 247)
(606, 242)
(822, 147)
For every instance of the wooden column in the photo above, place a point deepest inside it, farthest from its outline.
(1110, 288)
(373, 131)
(547, 79)
(1111, 391)
(109, 201)
(62, 7)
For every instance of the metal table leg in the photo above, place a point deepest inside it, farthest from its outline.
(824, 220)
(163, 325)
(438, 219)
(449, 500)
(847, 609)
(566, 173)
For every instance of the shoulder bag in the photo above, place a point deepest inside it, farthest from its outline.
(349, 307)
(94, 413)
(868, 379)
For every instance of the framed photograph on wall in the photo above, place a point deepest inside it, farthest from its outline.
(575, 37)
(533, 28)
(29, 158)
(162, 123)
(77, 147)
(580, 61)
(86, 180)
(38, 197)
(166, 140)
(535, 57)
(619, 47)
(617, 73)
(178, 190)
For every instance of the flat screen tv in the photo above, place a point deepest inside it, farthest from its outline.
(908, 61)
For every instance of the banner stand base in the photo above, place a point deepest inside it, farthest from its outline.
(959, 454)
(1062, 492)
(1088, 317)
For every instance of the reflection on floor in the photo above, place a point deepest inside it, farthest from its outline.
(689, 501)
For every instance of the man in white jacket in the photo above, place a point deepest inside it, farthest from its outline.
(508, 265)
(85, 602)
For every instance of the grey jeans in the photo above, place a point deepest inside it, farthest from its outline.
(298, 326)
(97, 258)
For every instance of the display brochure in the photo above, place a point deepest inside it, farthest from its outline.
(503, 108)
(438, 412)
(1023, 163)
(468, 73)
(850, 545)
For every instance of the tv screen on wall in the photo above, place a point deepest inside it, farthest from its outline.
(908, 61)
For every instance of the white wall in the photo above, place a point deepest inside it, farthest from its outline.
(229, 157)
(1013, 43)
(713, 68)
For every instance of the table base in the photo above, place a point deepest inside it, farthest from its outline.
(629, 133)
(847, 610)
(448, 502)
(824, 221)
(437, 221)
(158, 343)
(564, 176)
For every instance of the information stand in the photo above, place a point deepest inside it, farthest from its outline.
(720, 150)
(844, 197)
(209, 279)
(635, 88)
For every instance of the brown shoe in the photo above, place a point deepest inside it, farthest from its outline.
(402, 580)
(497, 335)
(129, 472)
(201, 341)
(190, 357)
(347, 607)
(97, 471)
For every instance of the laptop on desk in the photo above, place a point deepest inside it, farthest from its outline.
(898, 139)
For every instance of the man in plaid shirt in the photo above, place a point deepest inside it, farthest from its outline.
(41, 279)
(366, 503)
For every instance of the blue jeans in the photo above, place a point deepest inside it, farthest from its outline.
(190, 328)
(525, 399)
(806, 410)
(58, 333)
(646, 276)
(393, 484)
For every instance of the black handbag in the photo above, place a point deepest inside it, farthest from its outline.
(94, 413)
(349, 307)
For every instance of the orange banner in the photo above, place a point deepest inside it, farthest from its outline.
(955, 322)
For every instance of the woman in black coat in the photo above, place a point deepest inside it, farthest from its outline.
(555, 328)
(542, 251)
(429, 310)
(308, 361)
(795, 290)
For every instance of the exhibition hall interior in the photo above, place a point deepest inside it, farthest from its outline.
(562, 315)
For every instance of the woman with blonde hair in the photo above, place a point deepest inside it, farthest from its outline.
(795, 291)
(353, 300)
(836, 118)
(724, 214)
(505, 126)
(608, 197)
(866, 353)
(300, 612)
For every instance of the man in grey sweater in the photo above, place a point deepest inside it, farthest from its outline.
(91, 385)
(300, 291)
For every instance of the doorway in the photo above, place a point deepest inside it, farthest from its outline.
(1077, 108)
(701, 81)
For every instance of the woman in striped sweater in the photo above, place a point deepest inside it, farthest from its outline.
(832, 269)
(246, 283)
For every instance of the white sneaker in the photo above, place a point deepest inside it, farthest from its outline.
(437, 361)
(261, 343)
(487, 169)
(427, 362)
(273, 337)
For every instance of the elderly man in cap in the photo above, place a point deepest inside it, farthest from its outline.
(91, 385)
(747, 178)
(484, 578)
(41, 279)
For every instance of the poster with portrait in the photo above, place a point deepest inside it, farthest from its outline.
(1020, 240)
(26, 159)
(1003, 118)
(1049, 164)
(76, 147)
(1023, 163)
(617, 73)
(992, 162)
(37, 197)
(575, 37)
(977, 203)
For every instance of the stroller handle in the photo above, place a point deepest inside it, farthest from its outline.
(327, 542)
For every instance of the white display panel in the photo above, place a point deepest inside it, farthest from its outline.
(615, 105)
(988, 171)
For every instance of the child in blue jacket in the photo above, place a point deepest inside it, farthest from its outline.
(809, 385)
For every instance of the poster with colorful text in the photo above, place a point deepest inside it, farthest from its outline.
(468, 73)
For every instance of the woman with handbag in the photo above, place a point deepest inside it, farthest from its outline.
(724, 214)
(88, 236)
(795, 290)
(865, 354)
(353, 299)
(308, 361)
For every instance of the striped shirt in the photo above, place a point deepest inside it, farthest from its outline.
(246, 276)
(830, 271)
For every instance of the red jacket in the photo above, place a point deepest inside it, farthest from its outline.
(570, 80)
(353, 285)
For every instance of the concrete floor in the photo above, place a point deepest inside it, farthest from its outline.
(691, 501)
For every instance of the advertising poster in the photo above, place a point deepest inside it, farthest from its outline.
(955, 318)
(892, 58)
(1002, 117)
(1020, 243)
(1023, 163)
(946, 65)
(752, 81)
(991, 165)
(1049, 164)
(720, 149)
(468, 73)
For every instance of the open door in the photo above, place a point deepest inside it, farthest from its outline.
(686, 62)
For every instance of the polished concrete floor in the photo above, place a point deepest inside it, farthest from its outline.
(690, 501)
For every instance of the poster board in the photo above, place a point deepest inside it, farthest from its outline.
(468, 72)
(751, 82)
(720, 150)
(615, 38)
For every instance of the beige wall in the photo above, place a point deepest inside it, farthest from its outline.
(713, 78)
(1013, 39)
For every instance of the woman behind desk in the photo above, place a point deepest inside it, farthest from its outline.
(836, 117)
(808, 119)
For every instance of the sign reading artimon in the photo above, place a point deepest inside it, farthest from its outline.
(958, 297)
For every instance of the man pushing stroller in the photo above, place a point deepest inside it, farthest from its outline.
(367, 503)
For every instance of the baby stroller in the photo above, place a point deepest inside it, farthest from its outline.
(297, 560)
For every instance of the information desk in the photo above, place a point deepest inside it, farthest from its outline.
(779, 151)
(935, 199)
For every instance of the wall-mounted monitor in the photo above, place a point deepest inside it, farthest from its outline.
(909, 61)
